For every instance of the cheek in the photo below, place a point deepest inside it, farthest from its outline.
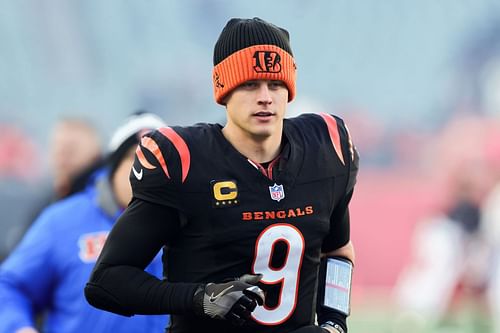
(235, 114)
(124, 169)
(127, 188)
(281, 106)
(124, 182)
(283, 98)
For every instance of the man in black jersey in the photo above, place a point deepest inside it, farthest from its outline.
(252, 216)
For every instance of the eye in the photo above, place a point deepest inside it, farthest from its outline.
(275, 84)
(249, 84)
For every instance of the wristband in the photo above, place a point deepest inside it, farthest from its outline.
(334, 289)
(337, 290)
(330, 326)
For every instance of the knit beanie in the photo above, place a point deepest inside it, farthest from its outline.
(252, 49)
(129, 134)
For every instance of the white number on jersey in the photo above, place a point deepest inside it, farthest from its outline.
(288, 274)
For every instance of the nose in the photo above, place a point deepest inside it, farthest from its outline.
(263, 94)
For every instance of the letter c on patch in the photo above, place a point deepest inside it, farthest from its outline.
(225, 190)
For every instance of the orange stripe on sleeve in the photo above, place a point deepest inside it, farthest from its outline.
(152, 146)
(142, 159)
(334, 134)
(181, 147)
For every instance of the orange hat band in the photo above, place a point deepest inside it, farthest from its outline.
(258, 62)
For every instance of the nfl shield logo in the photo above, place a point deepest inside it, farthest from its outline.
(277, 192)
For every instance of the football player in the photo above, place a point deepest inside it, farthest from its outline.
(253, 216)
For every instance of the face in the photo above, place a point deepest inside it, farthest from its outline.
(120, 182)
(74, 146)
(256, 109)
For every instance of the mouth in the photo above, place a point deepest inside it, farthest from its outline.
(263, 114)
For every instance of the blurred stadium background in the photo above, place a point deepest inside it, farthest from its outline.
(417, 82)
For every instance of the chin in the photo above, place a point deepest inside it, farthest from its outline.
(262, 135)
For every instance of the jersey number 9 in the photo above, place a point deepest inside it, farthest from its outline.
(288, 274)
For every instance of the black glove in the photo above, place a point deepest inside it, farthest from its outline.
(234, 300)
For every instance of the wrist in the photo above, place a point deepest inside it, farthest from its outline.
(198, 299)
(332, 327)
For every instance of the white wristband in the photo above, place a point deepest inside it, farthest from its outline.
(332, 327)
(338, 277)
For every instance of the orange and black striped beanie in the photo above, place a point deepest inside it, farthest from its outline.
(252, 49)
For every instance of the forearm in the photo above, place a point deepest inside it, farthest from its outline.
(119, 283)
(346, 251)
(128, 290)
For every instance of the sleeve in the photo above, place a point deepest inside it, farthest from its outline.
(161, 164)
(26, 276)
(119, 283)
(339, 233)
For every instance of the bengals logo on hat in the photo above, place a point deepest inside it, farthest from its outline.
(267, 62)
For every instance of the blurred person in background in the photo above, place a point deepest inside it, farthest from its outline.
(449, 268)
(47, 271)
(443, 266)
(490, 231)
(75, 148)
(481, 93)
(75, 153)
(19, 176)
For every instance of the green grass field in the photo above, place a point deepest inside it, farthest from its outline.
(378, 316)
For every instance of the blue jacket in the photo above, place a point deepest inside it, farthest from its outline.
(48, 270)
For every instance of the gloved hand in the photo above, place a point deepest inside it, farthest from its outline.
(234, 300)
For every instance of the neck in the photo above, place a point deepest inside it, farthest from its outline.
(257, 149)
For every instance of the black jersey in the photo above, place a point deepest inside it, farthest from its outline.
(236, 220)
